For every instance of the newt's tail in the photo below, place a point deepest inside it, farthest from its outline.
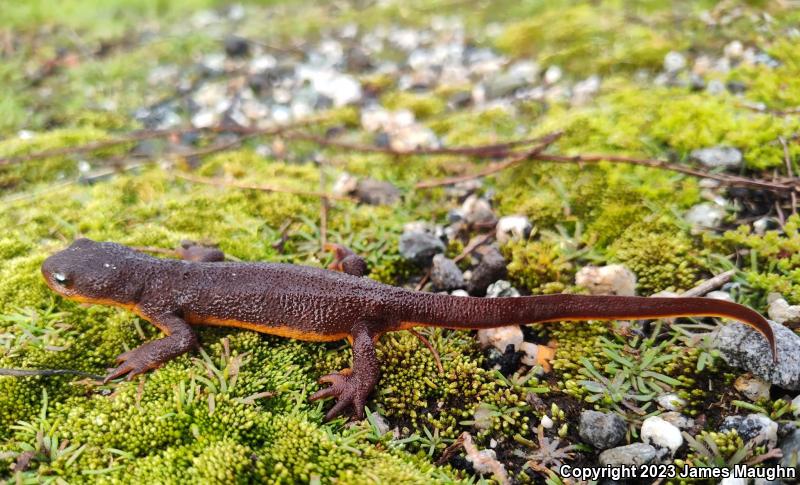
(477, 313)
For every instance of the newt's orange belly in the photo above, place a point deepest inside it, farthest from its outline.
(279, 330)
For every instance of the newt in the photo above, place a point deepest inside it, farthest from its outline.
(315, 304)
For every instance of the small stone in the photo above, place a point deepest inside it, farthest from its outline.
(501, 337)
(741, 346)
(490, 268)
(674, 62)
(236, 46)
(583, 91)
(614, 279)
(507, 362)
(678, 419)
(546, 422)
(602, 430)
(719, 295)
(734, 50)
(671, 402)
(501, 288)
(661, 434)
(631, 455)
(345, 184)
(459, 293)
(752, 387)
(512, 227)
(420, 247)
(736, 87)
(790, 446)
(715, 86)
(733, 481)
(446, 275)
(705, 216)
(756, 427)
(718, 157)
(376, 192)
(552, 75)
(478, 211)
(780, 310)
(534, 354)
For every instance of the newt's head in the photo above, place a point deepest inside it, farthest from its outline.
(94, 272)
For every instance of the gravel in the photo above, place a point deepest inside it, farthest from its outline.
(602, 430)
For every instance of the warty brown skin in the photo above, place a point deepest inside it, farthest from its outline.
(315, 304)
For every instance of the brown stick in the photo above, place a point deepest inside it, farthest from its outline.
(495, 167)
(494, 150)
(427, 343)
(264, 188)
(710, 284)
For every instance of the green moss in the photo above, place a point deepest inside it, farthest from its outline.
(423, 106)
(660, 253)
(539, 266)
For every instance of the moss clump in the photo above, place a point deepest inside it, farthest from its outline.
(774, 258)
(423, 106)
(586, 40)
(540, 266)
(661, 254)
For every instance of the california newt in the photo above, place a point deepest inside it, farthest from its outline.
(315, 304)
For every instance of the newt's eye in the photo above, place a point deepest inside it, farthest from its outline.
(61, 278)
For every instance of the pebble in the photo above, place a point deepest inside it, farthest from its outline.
(719, 295)
(236, 46)
(790, 446)
(756, 427)
(677, 419)
(376, 192)
(741, 346)
(553, 75)
(661, 434)
(705, 215)
(491, 267)
(634, 454)
(614, 279)
(602, 430)
(420, 247)
(534, 354)
(446, 275)
(478, 211)
(501, 337)
(671, 402)
(512, 228)
(501, 288)
(546, 422)
(753, 388)
(674, 62)
(780, 311)
(718, 157)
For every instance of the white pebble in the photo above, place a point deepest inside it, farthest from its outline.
(661, 434)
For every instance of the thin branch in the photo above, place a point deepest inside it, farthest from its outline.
(427, 343)
(787, 158)
(494, 150)
(710, 284)
(48, 372)
(730, 180)
(495, 167)
(264, 188)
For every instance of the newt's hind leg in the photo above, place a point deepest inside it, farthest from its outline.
(352, 387)
(346, 261)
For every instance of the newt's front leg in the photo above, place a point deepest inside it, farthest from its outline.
(179, 340)
(351, 389)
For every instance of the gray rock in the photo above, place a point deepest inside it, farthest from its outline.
(743, 347)
(602, 430)
(718, 157)
(705, 215)
(634, 454)
(420, 247)
(753, 427)
(446, 275)
(492, 267)
(478, 211)
(236, 46)
(790, 446)
(501, 288)
(376, 192)
(674, 62)
(512, 227)
(780, 310)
